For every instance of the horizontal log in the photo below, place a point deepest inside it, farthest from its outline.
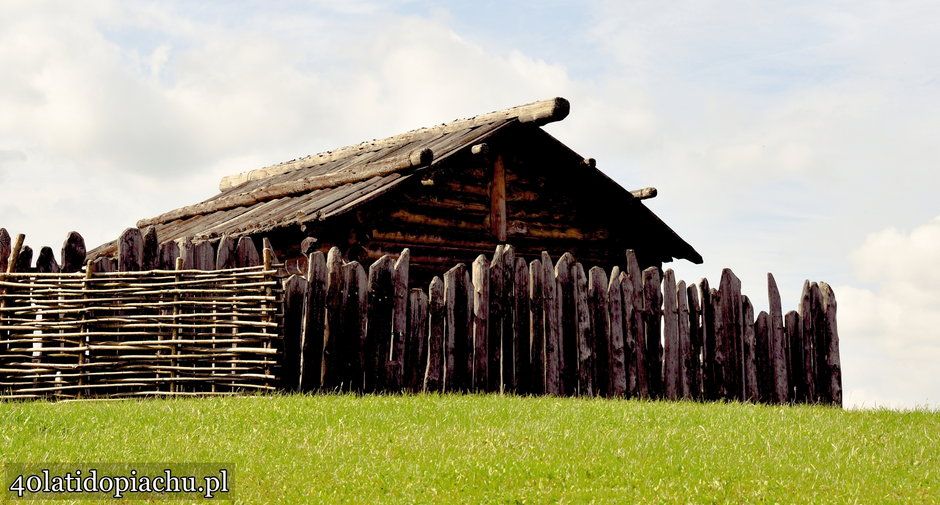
(542, 112)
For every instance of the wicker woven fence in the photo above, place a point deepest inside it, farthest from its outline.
(67, 333)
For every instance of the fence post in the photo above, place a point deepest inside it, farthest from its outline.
(695, 342)
(652, 303)
(685, 341)
(481, 312)
(833, 359)
(568, 316)
(246, 254)
(636, 341)
(808, 336)
(750, 353)
(495, 321)
(5, 247)
(416, 349)
(536, 328)
(311, 353)
(73, 253)
(520, 329)
(765, 362)
(225, 253)
(294, 288)
(728, 336)
(150, 250)
(779, 350)
(793, 327)
(553, 357)
(457, 330)
(617, 383)
(599, 319)
(436, 313)
(352, 346)
(331, 368)
(583, 337)
(820, 347)
(671, 358)
(400, 295)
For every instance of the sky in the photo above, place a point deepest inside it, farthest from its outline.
(798, 138)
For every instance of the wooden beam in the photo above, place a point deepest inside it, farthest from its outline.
(498, 199)
(645, 193)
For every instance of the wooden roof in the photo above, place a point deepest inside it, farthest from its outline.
(321, 186)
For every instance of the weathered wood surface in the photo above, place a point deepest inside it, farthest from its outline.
(434, 374)
(497, 311)
(599, 331)
(458, 349)
(498, 199)
(24, 260)
(696, 342)
(203, 256)
(395, 371)
(73, 253)
(672, 368)
(5, 247)
(764, 370)
(633, 290)
(796, 378)
(416, 350)
(616, 358)
(779, 348)
(729, 333)
(536, 328)
(830, 332)
(246, 254)
(709, 323)
(552, 327)
(808, 332)
(46, 263)
(169, 251)
(652, 318)
(225, 254)
(585, 348)
(568, 327)
(378, 341)
(481, 313)
(150, 250)
(508, 349)
(311, 354)
(520, 328)
(294, 289)
(353, 345)
(332, 366)
(685, 341)
(749, 354)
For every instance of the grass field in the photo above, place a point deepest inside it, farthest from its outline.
(492, 449)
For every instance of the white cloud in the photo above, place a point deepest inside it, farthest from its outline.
(890, 331)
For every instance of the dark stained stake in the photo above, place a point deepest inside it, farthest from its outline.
(652, 311)
(380, 324)
(225, 256)
(779, 344)
(520, 329)
(434, 374)
(637, 324)
(765, 371)
(150, 250)
(311, 353)
(793, 328)
(808, 336)
(481, 312)
(73, 253)
(616, 364)
(130, 250)
(5, 247)
(203, 256)
(396, 368)
(536, 328)
(294, 288)
(169, 251)
(598, 308)
(585, 348)
(495, 321)
(353, 340)
(831, 337)
(246, 254)
(416, 349)
(672, 352)
(696, 339)
(332, 367)
(750, 352)
(568, 316)
(685, 341)
(507, 318)
(46, 263)
(552, 328)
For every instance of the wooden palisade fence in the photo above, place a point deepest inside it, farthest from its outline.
(500, 324)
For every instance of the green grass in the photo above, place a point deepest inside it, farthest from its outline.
(492, 449)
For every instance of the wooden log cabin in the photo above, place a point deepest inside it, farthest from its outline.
(448, 192)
